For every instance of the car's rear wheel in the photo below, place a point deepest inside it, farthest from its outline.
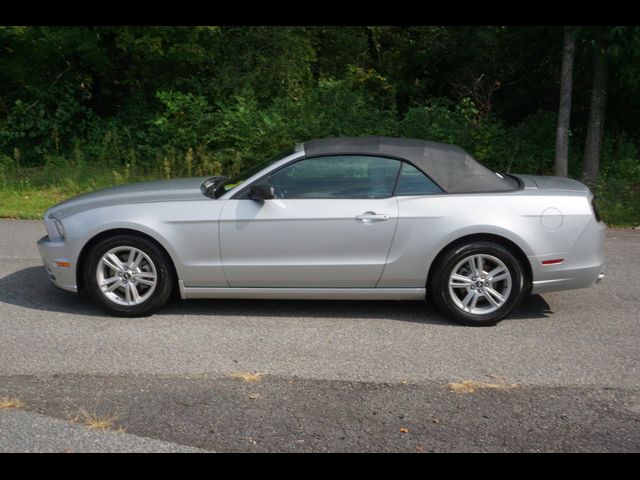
(478, 283)
(128, 275)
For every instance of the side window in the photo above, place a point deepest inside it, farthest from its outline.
(413, 182)
(343, 176)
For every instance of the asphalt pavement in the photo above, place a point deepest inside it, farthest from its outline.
(561, 374)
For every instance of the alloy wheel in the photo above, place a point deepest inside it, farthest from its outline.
(480, 284)
(126, 276)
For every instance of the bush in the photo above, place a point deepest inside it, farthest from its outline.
(619, 160)
(529, 147)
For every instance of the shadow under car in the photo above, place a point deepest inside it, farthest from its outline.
(30, 288)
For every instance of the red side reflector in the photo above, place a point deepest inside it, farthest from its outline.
(551, 262)
(63, 264)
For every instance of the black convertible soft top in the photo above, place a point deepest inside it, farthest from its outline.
(453, 169)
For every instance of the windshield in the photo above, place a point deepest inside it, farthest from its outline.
(249, 172)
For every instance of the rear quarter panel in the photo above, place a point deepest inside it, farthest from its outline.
(428, 224)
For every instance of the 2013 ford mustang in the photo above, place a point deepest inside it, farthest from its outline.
(345, 218)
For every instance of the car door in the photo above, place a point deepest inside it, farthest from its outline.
(331, 225)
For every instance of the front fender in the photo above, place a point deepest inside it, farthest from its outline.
(188, 231)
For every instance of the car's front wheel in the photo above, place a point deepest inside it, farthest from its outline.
(478, 283)
(128, 275)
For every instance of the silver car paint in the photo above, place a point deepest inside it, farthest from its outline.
(313, 248)
(177, 190)
(306, 242)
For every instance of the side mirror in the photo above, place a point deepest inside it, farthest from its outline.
(262, 191)
(213, 187)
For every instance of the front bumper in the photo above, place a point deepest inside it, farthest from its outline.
(53, 254)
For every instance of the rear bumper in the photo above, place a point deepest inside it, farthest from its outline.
(571, 280)
(53, 252)
(582, 266)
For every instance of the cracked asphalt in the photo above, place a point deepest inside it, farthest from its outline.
(335, 376)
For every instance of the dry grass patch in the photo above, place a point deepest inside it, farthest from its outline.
(95, 422)
(7, 403)
(247, 376)
(471, 386)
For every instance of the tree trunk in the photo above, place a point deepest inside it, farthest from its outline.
(561, 163)
(593, 143)
(374, 46)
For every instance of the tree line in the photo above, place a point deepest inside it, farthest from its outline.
(200, 100)
(595, 125)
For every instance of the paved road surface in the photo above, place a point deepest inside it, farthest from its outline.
(337, 376)
(27, 432)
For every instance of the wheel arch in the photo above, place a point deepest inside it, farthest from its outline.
(82, 257)
(491, 237)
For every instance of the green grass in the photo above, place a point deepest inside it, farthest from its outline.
(29, 204)
(27, 194)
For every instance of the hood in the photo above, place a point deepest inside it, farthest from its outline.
(180, 189)
(553, 183)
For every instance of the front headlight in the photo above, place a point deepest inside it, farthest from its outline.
(59, 228)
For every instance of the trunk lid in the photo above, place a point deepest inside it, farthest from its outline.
(543, 182)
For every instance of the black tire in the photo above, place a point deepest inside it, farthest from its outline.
(439, 288)
(165, 278)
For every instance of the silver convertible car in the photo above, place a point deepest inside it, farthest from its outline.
(369, 218)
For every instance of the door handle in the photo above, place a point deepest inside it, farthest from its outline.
(369, 217)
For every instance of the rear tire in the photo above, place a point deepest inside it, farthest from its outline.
(478, 283)
(128, 276)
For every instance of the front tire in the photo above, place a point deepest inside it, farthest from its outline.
(478, 283)
(128, 276)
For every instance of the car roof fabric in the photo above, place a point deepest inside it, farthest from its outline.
(453, 169)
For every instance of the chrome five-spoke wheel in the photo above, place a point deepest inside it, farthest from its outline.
(126, 275)
(480, 284)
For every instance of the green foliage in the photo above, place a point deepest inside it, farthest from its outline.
(620, 160)
(270, 62)
(185, 121)
(444, 121)
(86, 107)
(618, 188)
(531, 144)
